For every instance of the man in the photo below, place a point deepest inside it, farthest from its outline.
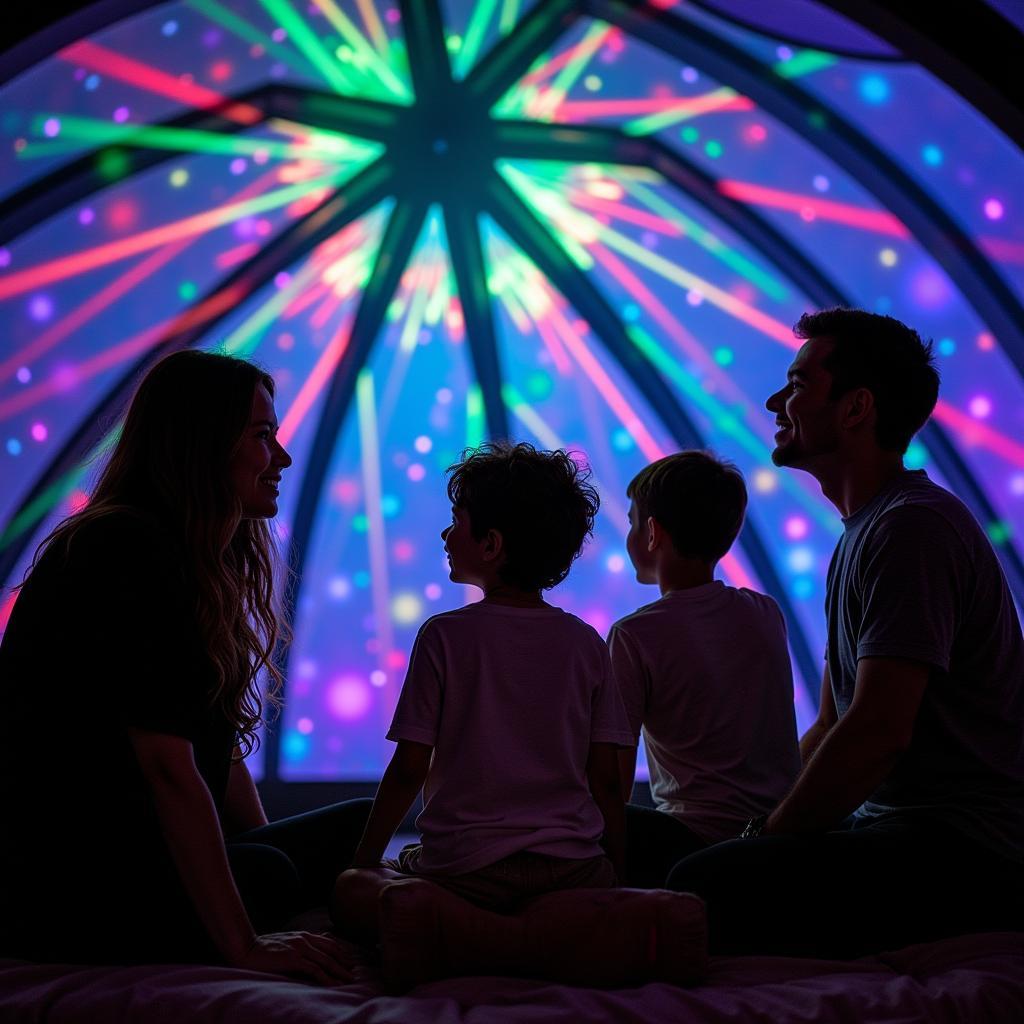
(906, 822)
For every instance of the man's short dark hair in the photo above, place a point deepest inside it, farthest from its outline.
(539, 501)
(886, 357)
(697, 498)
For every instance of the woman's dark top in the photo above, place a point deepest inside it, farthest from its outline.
(102, 638)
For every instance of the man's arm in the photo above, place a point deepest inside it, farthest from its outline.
(243, 809)
(859, 751)
(403, 779)
(827, 717)
(605, 787)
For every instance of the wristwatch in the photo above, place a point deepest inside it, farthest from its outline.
(753, 827)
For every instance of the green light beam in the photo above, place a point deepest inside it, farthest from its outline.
(193, 140)
(241, 28)
(475, 426)
(804, 63)
(307, 42)
(509, 13)
(474, 37)
(367, 57)
(655, 122)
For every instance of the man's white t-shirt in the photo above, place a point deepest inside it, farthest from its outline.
(706, 673)
(510, 699)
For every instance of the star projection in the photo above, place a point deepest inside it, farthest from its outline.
(582, 224)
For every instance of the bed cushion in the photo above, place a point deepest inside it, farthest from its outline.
(976, 978)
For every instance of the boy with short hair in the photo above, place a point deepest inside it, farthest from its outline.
(509, 720)
(704, 671)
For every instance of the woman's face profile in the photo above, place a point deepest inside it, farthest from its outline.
(259, 460)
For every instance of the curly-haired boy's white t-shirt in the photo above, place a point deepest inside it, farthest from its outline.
(706, 673)
(510, 699)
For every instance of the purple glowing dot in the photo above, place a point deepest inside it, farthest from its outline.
(690, 75)
(930, 289)
(86, 216)
(980, 407)
(784, 53)
(245, 227)
(433, 590)
(5, 257)
(994, 209)
(80, 73)
(820, 183)
(40, 308)
(211, 37)
(238, 165)
(121, 115)
(281, 279)
(348, 698)
(796, 528)
(279, 35)
(392, 16)
(24, 374)
(39, 432)
(51, 127)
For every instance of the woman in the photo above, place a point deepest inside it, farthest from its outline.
(128, 675)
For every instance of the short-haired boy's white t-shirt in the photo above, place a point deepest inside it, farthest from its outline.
(510, 699)
(706, 673)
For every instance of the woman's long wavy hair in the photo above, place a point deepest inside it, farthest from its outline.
(172, 463)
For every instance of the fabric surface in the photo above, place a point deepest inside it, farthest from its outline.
(510, 699)
(975, 978)
(717, 714)
(914, 576)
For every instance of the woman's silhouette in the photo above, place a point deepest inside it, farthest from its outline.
(129, 675)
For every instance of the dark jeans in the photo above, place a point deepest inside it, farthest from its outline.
(290, 865)
(850, 892)
(655, 843)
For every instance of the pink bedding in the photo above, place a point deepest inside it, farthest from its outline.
(976, 979)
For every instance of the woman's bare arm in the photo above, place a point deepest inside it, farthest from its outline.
(243, 809)
(188, 819)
